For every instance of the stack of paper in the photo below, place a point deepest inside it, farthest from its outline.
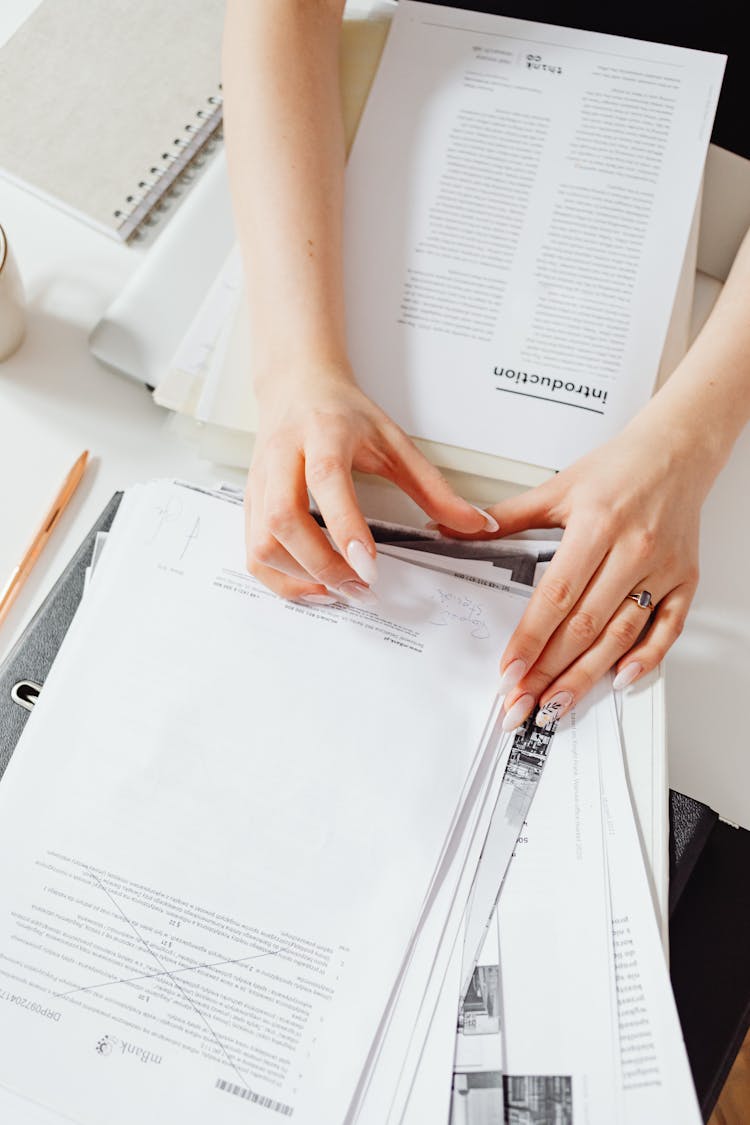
(520, 225)
(569, 1017)
(238, 831)
(252, 850)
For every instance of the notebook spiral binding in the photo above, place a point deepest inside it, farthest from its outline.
(196, 137)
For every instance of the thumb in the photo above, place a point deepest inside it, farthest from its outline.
(535, 507)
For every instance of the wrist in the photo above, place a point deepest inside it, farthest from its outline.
(705, 404)
(300, 373)
(695, 444)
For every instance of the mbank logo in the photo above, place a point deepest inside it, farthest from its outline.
(109, 1045)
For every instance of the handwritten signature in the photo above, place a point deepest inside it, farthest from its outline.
(459, 609)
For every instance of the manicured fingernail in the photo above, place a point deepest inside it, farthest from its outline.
(512, 675)
(518, 712)
(554, 708)
(360, 559)
(317, 599)
(491, 522)
(356, 592)
(626, 675)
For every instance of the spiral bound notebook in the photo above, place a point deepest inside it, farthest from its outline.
(105, 104)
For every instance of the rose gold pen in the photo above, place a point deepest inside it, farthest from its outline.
(13, 586)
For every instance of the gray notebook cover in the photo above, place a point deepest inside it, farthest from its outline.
(104, 104)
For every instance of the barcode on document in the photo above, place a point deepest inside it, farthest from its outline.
(251, 1096)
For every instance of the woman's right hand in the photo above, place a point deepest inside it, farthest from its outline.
(312, 434)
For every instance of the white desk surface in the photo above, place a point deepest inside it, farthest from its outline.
(56, 399)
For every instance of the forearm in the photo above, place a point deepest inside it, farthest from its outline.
(285, 150)
(705, 404)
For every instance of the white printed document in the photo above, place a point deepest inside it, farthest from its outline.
(224, 823)
(528, 193)
(657, 1085)
(558, 996)
(588, 1025)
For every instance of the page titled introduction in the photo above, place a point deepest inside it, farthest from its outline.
(519, 200)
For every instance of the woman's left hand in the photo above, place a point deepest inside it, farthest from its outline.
(631, 514)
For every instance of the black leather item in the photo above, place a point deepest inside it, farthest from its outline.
(690, 825)
(709, 940)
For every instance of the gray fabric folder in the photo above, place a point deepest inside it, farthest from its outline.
(25, 668)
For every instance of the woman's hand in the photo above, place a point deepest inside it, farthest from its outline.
(313, 433)
(631, 512)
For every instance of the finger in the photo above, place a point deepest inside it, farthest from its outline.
(597, 611)
(577, 558)
(286, 587)
(426, 485)
(534, 507)
(668, 623)
(269, 562)
(559, 691)
(329, 479)
(581, 676)
(264, 552)
(287, 519)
